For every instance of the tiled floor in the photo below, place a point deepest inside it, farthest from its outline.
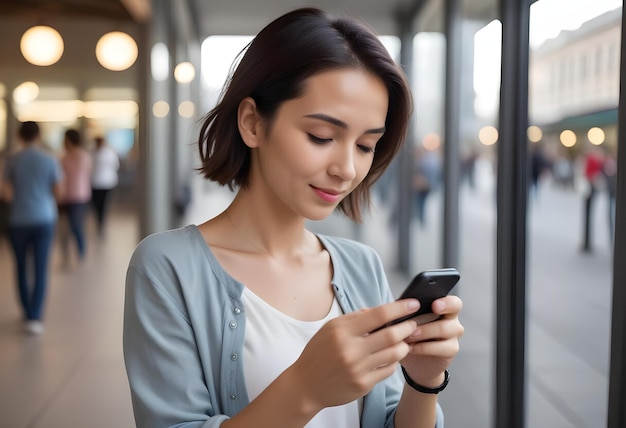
(72, 375)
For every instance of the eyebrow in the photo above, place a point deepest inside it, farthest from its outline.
(341, 124)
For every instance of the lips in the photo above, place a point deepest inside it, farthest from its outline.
(328, 195)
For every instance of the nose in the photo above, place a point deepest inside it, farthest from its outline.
(343, 162)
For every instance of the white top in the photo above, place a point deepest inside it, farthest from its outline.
(105, 166)
(274, 341)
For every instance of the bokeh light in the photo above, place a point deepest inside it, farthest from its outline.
(596, 136)
(568, 138)
(116, 51)
(184, 72)
(25, 92)
(534, 134)
(41, 45)
(488, 135)
(186, 109)
(160, 62)
(431, 141)
(160, 109)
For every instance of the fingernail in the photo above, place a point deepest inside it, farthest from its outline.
(413, 304)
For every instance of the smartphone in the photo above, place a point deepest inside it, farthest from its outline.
(427, 287)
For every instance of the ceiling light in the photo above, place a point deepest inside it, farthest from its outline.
(66, 112)
(26, 92)
(41, 45)
(116, 51)
(184, 72)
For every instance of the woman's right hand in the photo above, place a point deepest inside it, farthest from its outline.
(346, 358)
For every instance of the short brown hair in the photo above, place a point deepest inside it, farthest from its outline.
(274, 67)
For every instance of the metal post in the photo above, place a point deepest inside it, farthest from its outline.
(143, 135)
(405, 157)
(156, 215)
(172, 144)
(451, 163)
(404, 160)
(617, 373)
(511, 223)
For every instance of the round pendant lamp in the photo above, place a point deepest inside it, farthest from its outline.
(116, 51)
(41, 45)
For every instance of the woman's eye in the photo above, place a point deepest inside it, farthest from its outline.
(318, 140)
(365, 149)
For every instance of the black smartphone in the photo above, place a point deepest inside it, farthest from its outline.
(427, 287)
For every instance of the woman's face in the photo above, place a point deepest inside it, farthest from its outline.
(321, 145)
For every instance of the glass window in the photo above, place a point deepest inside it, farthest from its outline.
(481, 35)
(571, 213)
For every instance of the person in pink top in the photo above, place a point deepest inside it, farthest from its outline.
(77, 167)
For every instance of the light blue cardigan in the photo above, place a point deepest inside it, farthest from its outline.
(184, 325)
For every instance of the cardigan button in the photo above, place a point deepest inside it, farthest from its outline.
(233, 324)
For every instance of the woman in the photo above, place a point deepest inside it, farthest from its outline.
(249, 319)
(77, 166)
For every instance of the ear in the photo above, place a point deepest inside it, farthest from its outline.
(249, 122)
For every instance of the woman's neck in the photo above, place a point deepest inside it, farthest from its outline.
(268, 229)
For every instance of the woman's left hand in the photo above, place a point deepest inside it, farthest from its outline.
(434, 345)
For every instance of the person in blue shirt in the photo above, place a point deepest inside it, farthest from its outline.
(32, 185)
(251, 320)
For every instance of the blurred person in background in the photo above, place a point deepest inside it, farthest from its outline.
(563, 170)
(32, 184)
(594, 179)
(468, 167)
(77, 166)
(426, 178)
(609, 170)
(540, 166)
(5, 207)
(104, 178)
